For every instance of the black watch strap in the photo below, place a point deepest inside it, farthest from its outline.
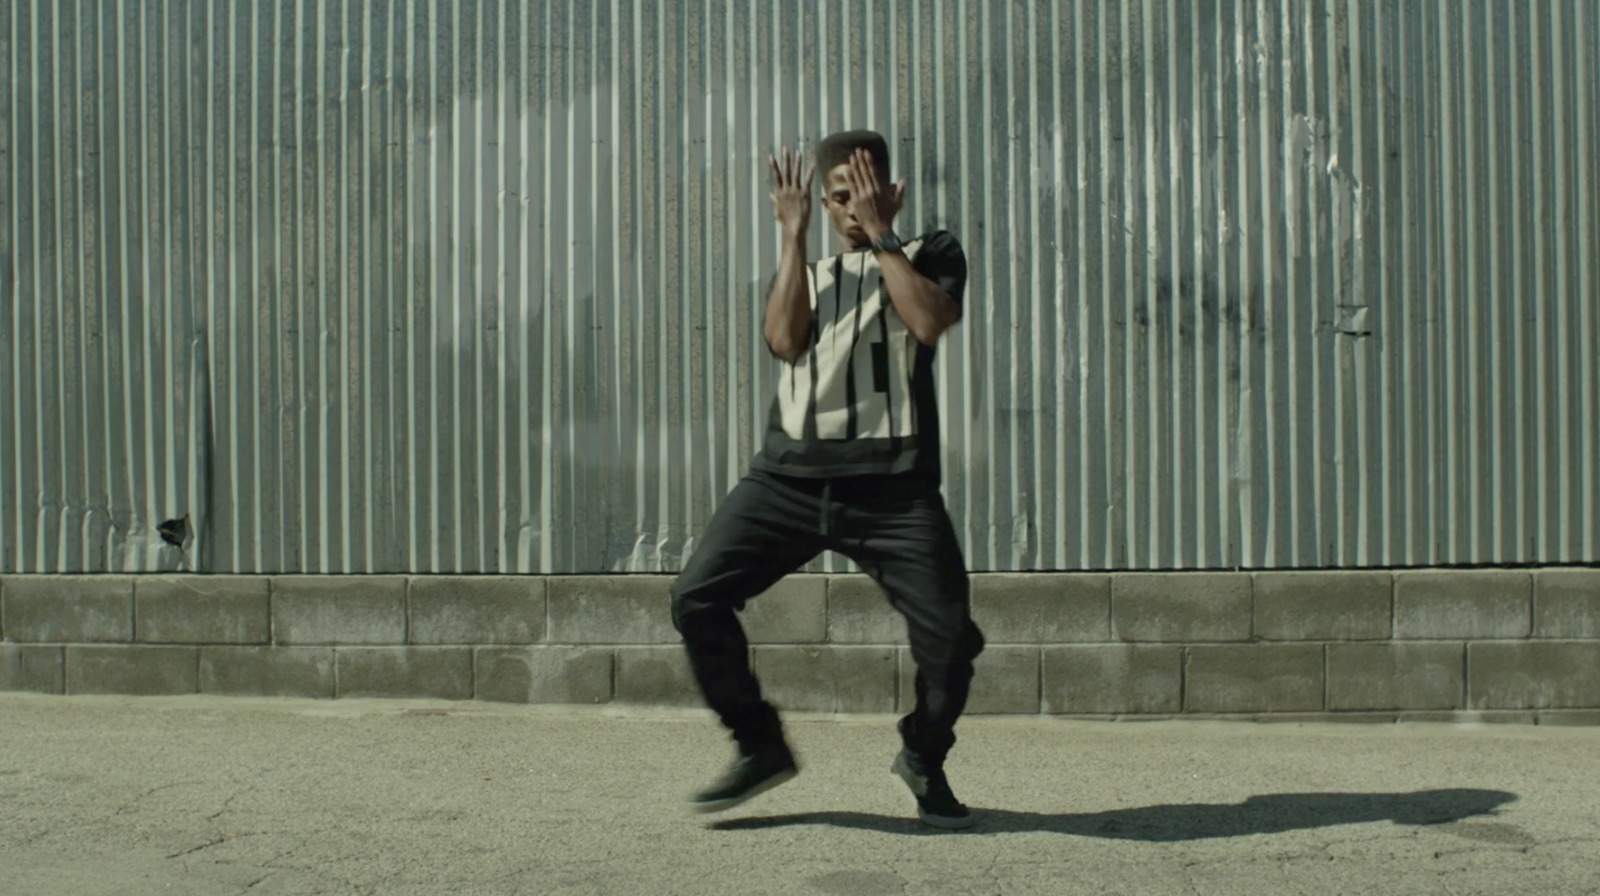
(888, 242)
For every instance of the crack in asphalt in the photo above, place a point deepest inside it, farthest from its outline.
(1508, 849)
(1560, 842)
(128, 807)
(1188, 876)
(215, 841)
(218, 839)
(994, 860)
(226, 805)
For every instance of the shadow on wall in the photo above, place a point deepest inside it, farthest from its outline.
(1266, 814)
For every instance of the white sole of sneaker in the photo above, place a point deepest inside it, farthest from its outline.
(904, 773)
(943, 822)
(948, 824)
(710, 806)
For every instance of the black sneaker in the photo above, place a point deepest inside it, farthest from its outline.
(750, 776)
(936, 805)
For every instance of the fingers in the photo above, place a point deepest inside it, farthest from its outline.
(790, 170)
(867, 171)
(787, 169)
(779, 164)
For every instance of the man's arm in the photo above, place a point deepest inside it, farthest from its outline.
(787, 325)
(788, 320)
(925, 307)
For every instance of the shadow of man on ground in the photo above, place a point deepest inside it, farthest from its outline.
(1267, 814)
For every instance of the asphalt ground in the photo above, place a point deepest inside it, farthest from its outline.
(120, 796)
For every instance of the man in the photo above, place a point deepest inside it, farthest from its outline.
(850, 463)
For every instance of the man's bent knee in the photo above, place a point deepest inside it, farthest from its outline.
(955, 655)
(683, 608)
(690, 604)
(971, 642)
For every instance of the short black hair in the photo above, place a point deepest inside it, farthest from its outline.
(836, 149)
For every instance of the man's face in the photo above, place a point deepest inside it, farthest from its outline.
(836, 201)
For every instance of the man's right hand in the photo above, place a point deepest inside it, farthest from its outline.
(791, 192)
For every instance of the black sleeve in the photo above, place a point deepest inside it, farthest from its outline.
(941, 260)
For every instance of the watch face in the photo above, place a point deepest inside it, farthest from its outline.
(889, 242)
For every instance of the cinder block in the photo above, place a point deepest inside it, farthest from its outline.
(1323, 718)
(1462, 604)
(29, 667)
(267, 671)
(441, 672)
(1570, 717)
(611, 610)
(1566, 603)
(1112, 678)
(68, 608)
(794, 611)
(1396, 675)
(656, 676)
(202, 610)
(1466, 717)
(476, 609)
(1254, 678)
(1323, 606)
(1183, 607)
(1042, 608)
(828, 679)
(339, 610)
(1005, 680)
(859, 613)
(544, 674)
(136, 669)
(1534, 675)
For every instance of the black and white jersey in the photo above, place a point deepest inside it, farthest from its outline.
(861, 400)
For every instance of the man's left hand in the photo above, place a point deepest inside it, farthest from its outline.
(872, 205)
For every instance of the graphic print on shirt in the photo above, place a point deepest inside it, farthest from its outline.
(855, 383)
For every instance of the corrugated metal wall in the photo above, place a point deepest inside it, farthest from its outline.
(474, 286)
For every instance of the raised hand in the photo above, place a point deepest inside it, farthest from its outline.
(871, 203)
(791, 192)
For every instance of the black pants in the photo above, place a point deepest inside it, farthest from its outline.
(895, 528)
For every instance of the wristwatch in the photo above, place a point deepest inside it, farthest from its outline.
(887, 243)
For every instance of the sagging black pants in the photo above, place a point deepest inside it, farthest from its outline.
(895, 528)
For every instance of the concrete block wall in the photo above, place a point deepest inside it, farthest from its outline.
(1500, 645)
